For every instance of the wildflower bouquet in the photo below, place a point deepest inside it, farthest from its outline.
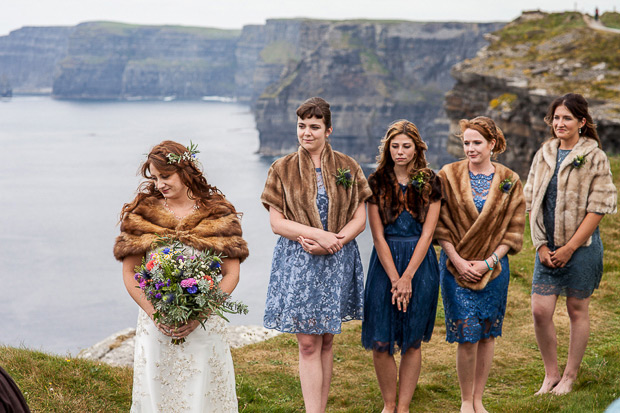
(184, 287)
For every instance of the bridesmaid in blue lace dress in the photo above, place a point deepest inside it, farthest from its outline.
(569, 189)
(400, 300)
(316, 201)
(482, 220)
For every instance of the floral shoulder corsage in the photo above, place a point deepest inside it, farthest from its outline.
(418, 180)
(344, 177)
(506, 185)
(579, 161)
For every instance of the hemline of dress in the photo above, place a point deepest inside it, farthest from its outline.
(473, 341)
(295, 331)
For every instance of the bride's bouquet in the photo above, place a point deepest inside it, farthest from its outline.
(184, 287)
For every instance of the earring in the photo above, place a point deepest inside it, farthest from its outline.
(580, 131)
(491, 152)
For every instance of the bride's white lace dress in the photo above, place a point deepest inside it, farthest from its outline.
(195, 376)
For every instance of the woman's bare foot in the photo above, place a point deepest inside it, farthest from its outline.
(548, 384)
(563, 387)
(479, 408)
(388, 409)
(467, 407)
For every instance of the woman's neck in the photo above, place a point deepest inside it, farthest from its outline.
(485, 168)
(180, 203)
(402, 174)
(316, 156)
(570, 143)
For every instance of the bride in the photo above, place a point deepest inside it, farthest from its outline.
(176, 201)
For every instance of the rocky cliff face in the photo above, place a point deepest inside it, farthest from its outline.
(119, 61)
(372, 73)
(29, 57)
(531, 61)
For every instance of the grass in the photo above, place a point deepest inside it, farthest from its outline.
(611, 19)
(553, 41)
(267, 378)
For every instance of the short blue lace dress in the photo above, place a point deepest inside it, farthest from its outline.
(384, 327)
(474, 315)
(583, 272)
(314, 294)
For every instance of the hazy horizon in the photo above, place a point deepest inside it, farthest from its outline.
(234, 14)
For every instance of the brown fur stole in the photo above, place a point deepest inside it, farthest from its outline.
(389, 197)
(476, 235)
(291, 188)
(214, 228)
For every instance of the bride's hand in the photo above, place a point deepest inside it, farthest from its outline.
(177, 332)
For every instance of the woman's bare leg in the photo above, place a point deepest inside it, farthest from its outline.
(543, 307)
(579, 334)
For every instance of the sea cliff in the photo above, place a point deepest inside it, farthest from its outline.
(29, 57)
(371, 72)
(119, 61)
(528, 63)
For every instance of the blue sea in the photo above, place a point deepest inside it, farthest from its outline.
(67, 168)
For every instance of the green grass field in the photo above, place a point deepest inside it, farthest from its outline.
(267, 379)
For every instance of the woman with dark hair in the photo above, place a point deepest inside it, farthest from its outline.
(315, 199)
(400, 299)
(177, 202)
(481, 221)
(569, 189)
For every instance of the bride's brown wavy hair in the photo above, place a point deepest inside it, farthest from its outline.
(192, 177)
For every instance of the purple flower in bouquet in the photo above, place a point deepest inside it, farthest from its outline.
(189, 282)
(184, 287)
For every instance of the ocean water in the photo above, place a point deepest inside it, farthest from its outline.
(66, 170)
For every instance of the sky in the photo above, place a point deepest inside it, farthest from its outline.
(234, 14)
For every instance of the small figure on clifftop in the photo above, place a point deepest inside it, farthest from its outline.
(596, 14)
(569, 189)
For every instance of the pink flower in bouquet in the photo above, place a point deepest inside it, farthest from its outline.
(189, 282)
(143, 284)
(150, 265)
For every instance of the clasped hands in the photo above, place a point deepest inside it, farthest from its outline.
(326, 243)
(470, 271)
(401, 293)
(177, 332)
(557, 258)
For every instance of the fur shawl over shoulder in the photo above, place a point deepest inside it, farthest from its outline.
(214, 228)
(389, 197)
(476, 235)
(589, 188)
(291, 188)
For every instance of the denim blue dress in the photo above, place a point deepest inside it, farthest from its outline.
(473, 315)
(314, 294)
(384, 327)
(583, 272)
